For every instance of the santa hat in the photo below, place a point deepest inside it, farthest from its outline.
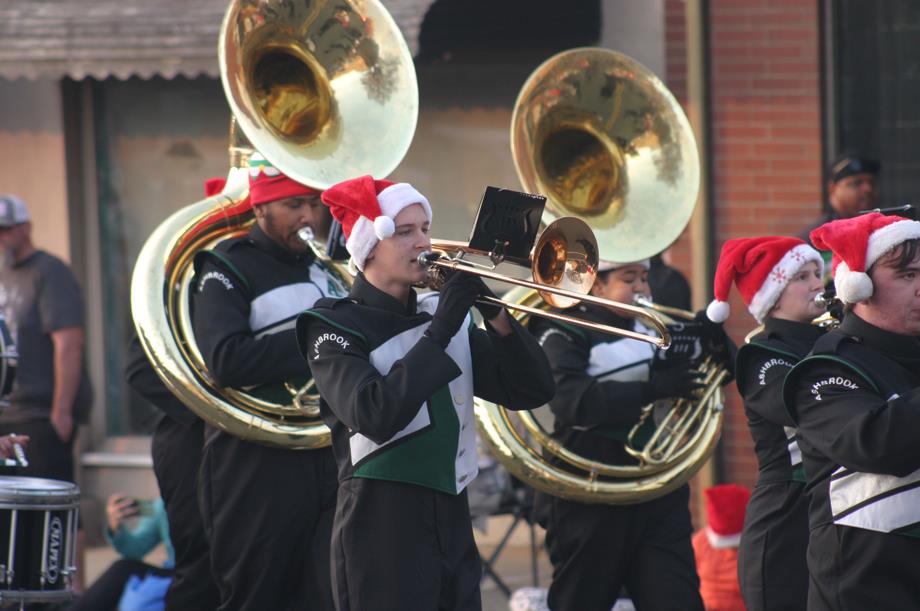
(214, 186)
(367, 209)
(857, 243)
(268, 184)
(725, 508)
(761, 268)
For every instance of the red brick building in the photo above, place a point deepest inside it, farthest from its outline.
(766, 143)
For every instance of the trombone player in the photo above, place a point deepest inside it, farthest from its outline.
(602, 383)
(397, 374)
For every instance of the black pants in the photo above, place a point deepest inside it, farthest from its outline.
(176, 450)
(268, 515)
(400, 547)
(853, 569)
(48, 456)
(771, 557)
(598, 549)
(106, 591)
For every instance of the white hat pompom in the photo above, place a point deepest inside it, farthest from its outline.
(384, 227)
(718, 311)
(852, 287)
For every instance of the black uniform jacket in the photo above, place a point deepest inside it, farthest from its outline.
(601, 383)
(357, 398)
(760, 368)
(140, 375)
(857, 419)
(247, 295)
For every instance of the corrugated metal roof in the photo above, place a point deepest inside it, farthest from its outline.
(123, 38)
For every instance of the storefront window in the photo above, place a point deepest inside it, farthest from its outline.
(876, 87)
(157, 141)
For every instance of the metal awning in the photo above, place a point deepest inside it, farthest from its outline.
(123, 38)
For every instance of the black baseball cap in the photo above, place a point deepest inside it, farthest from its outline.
(848, 164)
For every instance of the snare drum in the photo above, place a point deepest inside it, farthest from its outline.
(38, 528)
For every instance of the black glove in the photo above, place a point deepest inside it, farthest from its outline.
(717, 343)
(488, 310)
(675, 382)
(457, 297)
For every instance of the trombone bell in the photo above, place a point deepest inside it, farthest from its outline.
(564, 266)
(565, 257)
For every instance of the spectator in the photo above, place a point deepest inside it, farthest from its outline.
(852, 185)
(151, 528)
(716, 547)
(42, 304)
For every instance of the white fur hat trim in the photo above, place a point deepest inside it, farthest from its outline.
(400, 195)
(787, 267)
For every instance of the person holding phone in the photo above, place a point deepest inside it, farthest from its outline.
(133, 527)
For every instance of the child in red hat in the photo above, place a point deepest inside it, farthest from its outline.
(716, 547)
(397, 373)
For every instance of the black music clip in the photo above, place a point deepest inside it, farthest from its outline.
(507, 224)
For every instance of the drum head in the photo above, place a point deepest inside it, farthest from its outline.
(33, 490)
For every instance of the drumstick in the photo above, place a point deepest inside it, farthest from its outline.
(20, 455)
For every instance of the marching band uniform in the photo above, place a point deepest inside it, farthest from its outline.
(175, 449)
(398, 398)
(176, 453)
(267, 511)
(856, 402)
(602, 382)
(771, 556)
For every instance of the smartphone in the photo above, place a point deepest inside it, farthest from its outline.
(145, 507)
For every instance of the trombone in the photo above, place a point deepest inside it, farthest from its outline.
(563, 264)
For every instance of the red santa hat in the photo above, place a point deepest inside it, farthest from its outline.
(857, 243)
(761, 268)
(367, 209)
(268, 184)
(725, 508)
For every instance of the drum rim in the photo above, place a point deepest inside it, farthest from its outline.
(16, 490)
(37, 595)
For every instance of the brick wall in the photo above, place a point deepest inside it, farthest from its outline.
(765, 142)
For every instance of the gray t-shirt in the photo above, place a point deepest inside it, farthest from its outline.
(38, 296)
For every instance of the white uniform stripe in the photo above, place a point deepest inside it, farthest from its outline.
(282, 303)
(795, 454)
(883, 514)
(290, 323)
(886, 514)
(383, 358)
(624, 360)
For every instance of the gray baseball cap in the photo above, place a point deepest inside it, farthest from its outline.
(13, 211)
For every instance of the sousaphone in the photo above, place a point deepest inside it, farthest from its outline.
(325, 91)
(600, 135)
